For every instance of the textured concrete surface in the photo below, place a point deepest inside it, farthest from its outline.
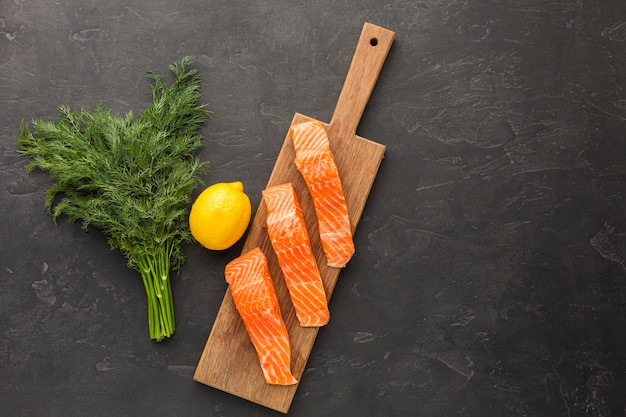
(490, 274)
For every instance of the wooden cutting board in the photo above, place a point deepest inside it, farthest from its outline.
(229, 362)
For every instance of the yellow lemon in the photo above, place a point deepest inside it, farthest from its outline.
(220, 215)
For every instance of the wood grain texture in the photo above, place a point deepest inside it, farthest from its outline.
(229, 361)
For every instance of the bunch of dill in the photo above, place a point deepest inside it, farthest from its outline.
(131, 177)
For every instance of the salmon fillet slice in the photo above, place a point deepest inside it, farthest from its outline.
(316, 163)
(288, 234)
(255, 298)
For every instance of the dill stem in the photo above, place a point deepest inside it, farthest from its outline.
(155, 271)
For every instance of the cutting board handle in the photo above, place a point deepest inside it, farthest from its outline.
(370, 54)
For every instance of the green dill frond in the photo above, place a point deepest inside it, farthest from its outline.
(132, 177)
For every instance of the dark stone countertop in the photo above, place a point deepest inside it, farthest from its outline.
(490, 274)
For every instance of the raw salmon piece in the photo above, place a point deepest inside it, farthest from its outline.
(255, 298)
(316, 163)
(290, 239)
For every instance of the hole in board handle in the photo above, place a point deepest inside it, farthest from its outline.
(374, 41)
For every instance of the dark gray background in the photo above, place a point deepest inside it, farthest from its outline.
(490, 274)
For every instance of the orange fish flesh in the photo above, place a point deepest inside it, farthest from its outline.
(290, 239)
(316, 163)
(253, 293)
